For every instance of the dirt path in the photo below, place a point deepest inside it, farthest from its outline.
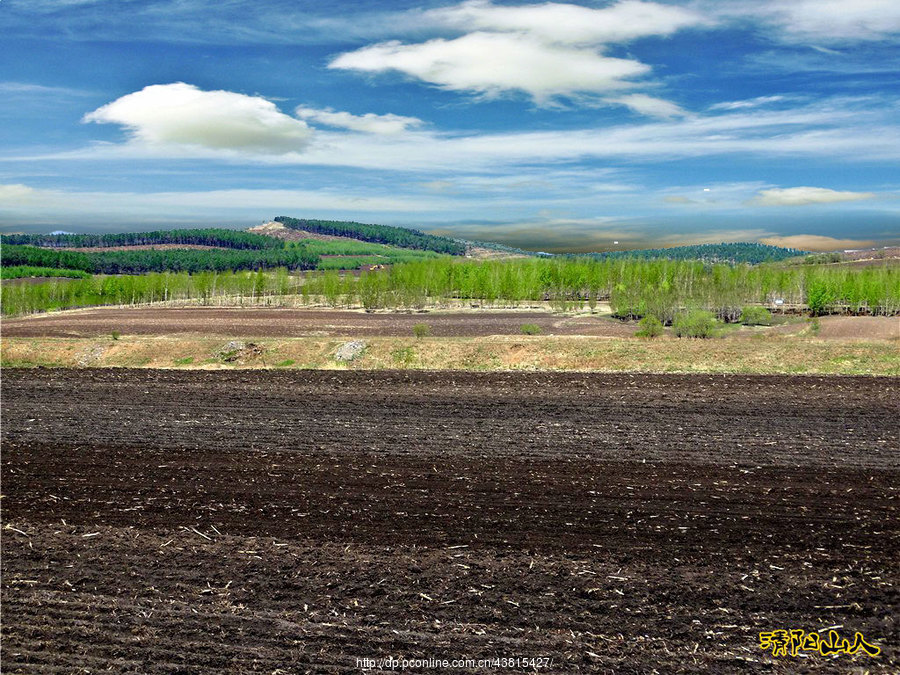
(249, 522)
(263, 322)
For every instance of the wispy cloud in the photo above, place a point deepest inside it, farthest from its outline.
(181, 121)
(649, 105)
(564, 23)
(367, 123)
(491, 64)
(545, 51)
(803, 196)
(746, 103)
(30, 88)
(831, 21)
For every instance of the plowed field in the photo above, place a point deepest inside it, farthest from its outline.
(261, 322)
(265, 522)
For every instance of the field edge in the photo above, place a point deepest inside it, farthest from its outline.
(775, 355)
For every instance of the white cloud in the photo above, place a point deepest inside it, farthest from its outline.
(648, 105)
(368, 123)
(802, 196)
(546, 50)
(490, 64)
(16, 194)
(838, 20)
(856, 129)
(746, 103)
(571, 24)
(29, 88)
(180, 114)
(829, 21)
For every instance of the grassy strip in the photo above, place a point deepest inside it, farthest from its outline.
(25, 271)
(763, 355)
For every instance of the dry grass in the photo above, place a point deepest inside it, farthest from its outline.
(765, 354)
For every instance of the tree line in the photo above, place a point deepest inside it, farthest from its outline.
(634, 288)
(150, 260)
(198, 237)
(146, 288)
(23, 271)
(380, 234)
(740, 252)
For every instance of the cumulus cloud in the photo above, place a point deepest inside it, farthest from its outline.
(16, 193)
(180, 114)
(802, 196)
(368, 123)
(649, 105)
(490, 64)
(815, 242)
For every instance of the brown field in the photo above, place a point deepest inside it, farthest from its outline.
(261, 322)
(292, 522)
(266, 322)
(850, 328)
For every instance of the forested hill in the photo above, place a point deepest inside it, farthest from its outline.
(203, 237)
(751, 253)
(140, 261)
(381, 234)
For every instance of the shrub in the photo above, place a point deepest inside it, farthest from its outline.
(697, 323)
(650, 327)
(756, 316)
(530, 329)
(404, 356)
(421, 330)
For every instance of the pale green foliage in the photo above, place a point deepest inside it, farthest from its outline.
(756, 316)
(650, 327)
(696, 323)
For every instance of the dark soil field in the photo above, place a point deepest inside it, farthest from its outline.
(260, 522)
(261, 322)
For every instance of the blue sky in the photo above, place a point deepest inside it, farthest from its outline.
(552, 126)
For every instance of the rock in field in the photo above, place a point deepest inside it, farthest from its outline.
(350, 350)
